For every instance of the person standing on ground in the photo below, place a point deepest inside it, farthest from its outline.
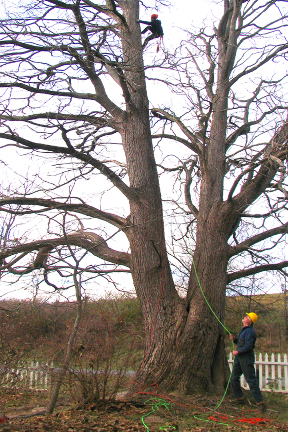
(244, 362)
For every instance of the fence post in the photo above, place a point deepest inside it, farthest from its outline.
(46, 376)
(260, 370)
(266, 371)
(273, 376)
(51, 371)
(30, 372)
(279, 373)
(230, 361)
(286, 372)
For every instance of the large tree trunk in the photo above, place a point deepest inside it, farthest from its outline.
(149, 264)
(185, 344)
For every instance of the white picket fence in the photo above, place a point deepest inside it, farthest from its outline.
(33, 376)
(272, 374)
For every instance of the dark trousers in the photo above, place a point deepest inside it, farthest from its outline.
(146, 29)
(245, 365)
(152, 36)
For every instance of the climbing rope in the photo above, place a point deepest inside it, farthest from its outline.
(220, 418)
(166, 402)
(208, 304)
(155, 405)
(220, 322)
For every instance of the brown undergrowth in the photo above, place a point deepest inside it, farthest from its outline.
(151, 414)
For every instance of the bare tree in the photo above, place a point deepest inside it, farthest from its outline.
(59, 62)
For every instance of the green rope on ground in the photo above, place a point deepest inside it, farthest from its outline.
(156, 405)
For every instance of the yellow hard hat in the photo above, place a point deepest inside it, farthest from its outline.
(252, 316)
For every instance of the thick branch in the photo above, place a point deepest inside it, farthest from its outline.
(61, 4)
(254, 187)
(89, 241)
(175, 138)
(245, 245)
(35, 90)
(255, 270)
(110, 10)
(187, 193)
(107, 172)
(60, 116)
(82, 208)
(195, 143)
(101, 95)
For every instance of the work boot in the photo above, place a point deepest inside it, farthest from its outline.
(261, 406)
(239, 401)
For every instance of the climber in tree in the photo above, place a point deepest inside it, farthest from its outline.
(154, 26)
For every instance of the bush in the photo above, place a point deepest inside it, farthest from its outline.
(106, 353)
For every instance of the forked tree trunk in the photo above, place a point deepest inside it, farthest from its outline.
(185, 344)
(186, 351)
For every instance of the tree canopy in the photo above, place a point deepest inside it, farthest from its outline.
(212, 163)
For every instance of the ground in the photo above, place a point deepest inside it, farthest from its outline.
(25, 413)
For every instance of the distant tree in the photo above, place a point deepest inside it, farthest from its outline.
(57, 62)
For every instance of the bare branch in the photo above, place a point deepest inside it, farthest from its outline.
(89, 241)
(249, 70)
(107, 172)
(82, 208)
(246, 244)
(195, 143)
(254, 187)
(256, 270)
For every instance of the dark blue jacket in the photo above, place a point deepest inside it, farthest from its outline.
(156, 26)
(246, 340)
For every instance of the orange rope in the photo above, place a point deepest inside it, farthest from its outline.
(253, 420)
